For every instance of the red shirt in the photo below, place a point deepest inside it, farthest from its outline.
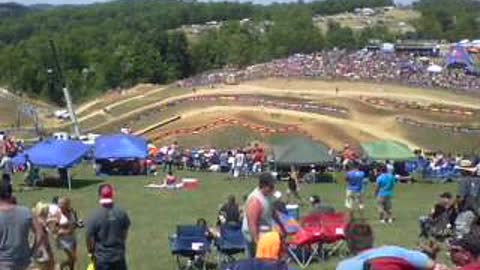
(472, 266)
(390, 264)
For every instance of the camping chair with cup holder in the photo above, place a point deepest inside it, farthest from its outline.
(190, 246)
(230, 243)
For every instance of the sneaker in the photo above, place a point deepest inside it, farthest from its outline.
(383, 221)
(390, 220)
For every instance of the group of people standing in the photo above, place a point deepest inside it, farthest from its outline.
(357, 186)
(106, 233)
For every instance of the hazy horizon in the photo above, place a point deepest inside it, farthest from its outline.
(60, 2)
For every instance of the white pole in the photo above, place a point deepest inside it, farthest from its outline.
(73, 117)
(69, 180)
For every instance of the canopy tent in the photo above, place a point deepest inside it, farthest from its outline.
(299, 151)
(120, 147)
(387, 150)
(459, 57)
(54, 154)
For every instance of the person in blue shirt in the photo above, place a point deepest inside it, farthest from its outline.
(354, 179)
(384, 193)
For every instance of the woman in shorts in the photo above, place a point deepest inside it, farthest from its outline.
(65, 233)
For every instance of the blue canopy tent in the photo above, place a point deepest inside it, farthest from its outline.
(459, 57)
(54, 154)
(120, 147)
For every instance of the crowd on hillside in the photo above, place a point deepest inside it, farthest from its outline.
(362, 65)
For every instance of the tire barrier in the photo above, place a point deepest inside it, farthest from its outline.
(463, 129)
(227, 122)
(294, 104)
(413, 105)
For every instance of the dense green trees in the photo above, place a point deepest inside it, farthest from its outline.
(122, 43)
(449, 19)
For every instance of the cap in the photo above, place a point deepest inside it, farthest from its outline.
(468, 242)
(105, 193)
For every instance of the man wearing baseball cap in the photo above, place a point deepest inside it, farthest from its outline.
(106, 232)
(465, 252)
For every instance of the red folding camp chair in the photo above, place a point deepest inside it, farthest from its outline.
(321, 235)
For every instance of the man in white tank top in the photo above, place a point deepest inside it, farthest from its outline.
(259, 215)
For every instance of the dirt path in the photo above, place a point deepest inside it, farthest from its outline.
(376, 131)
(314, 94)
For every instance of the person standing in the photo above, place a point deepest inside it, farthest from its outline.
(7, 167)
(259, 216)
(239, 163)
(106, 232)
(355, 179)
(385, 185)
(16, 223)
(66, 222)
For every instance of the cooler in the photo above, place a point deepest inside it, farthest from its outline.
(293, 211)
(190, 183)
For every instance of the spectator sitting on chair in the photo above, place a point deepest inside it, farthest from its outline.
(444, 208)
(229, 212)
(318, 207)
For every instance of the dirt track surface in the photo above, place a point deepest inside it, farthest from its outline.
(365, 121)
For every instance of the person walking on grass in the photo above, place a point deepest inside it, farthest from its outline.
(385, 185)
(16, 224)
(355, 180)
(66, 225)
(107, 230)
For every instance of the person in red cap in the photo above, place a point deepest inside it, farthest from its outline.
(106, 232)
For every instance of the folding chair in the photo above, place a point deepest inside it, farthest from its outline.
(230, 243)
(190, 247)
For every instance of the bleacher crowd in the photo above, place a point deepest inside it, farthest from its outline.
(403, 69)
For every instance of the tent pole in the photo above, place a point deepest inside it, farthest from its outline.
(69, 180)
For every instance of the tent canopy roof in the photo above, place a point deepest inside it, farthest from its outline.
(387, 150)
(299, 151)
(54, 154)
(120, 146)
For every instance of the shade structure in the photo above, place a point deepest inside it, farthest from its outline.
(120, 147)
(299, 151)
(54, 154)
(387, 150)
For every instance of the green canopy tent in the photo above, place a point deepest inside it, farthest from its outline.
(299, 151)
(387, 150)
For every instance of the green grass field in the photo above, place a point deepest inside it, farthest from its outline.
(154, 214)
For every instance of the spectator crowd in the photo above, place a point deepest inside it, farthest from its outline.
(404, 69)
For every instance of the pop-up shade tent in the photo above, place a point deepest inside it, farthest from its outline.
(54, 154)
(387, 150)
(120, 147)
(299, 151)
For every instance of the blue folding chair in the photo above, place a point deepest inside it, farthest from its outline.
(190, 247)
(230, 243)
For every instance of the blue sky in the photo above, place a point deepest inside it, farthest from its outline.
(29, 2)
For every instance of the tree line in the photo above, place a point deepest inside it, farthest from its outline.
(126, 42)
